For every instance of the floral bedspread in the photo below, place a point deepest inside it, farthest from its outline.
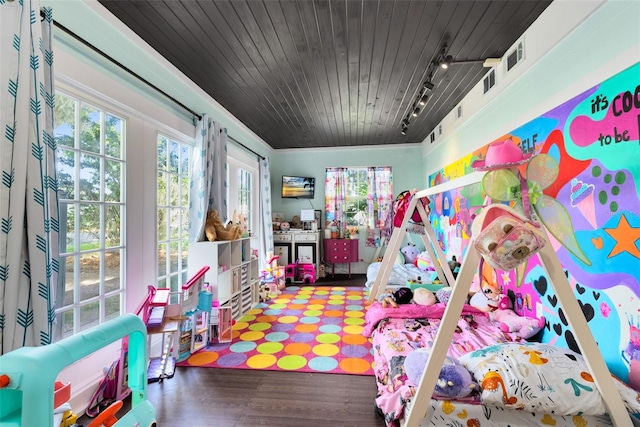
(395, 337)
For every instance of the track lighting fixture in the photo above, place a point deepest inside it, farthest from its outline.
(405, 123)
(423, 100)
(428, 86)
(404, 130)
(446, 61)
(415, 112)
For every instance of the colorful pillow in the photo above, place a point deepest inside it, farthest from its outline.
(540, 378)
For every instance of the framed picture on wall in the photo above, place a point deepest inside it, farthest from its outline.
(318, 216)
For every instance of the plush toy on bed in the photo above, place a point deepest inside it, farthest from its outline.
(454, 381)
(387, 299)
(498, 305)
(510, 321)
(410, 253)
(423, 296)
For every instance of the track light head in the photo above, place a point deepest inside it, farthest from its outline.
(405, 123)
(423, 100)
(404, 130)
(415, 112)
(428, 85)
(446, 62)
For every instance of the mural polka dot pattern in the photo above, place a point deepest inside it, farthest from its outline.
(304, 329)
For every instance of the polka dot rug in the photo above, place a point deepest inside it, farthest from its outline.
(304, 329)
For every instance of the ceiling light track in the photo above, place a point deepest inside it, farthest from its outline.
(443, 61)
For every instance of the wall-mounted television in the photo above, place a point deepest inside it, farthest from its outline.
(298, 187)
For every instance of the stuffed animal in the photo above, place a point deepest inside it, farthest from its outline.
(403, 295)
(488, 298)
(423, 262)
(423, 296)
(510, 321)
(263, 292)
(387, 299)
(220, 231)
(454, 380)
(410, 253)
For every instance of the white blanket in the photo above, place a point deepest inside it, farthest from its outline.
(399, 275)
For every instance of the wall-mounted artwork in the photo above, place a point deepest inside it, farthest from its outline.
(594, 139)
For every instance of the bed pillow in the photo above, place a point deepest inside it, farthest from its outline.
(540, 378)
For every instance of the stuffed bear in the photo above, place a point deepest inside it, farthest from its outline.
(220, 231)
(454, 380)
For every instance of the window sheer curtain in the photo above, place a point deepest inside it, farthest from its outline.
(266, 231)
(378, 206)
(29, 217)
(208, 176)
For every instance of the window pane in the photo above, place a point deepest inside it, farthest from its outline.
(185, 159)
(162, 189)
(89, 275)
(89, 315)
(112, 306)
(175, 256)
(174, 224)
(113, 181)
(113, 136)
(89, 227)
(89, 177)
(112, 261)
(69, 281)
(66, 173)
(174, 152)
(67, 221)
(65, 321)
(89, 129)
(184, 190)
(174, 190)
(162, 259)
(65, 130)
(162, 223)
(113, 235)
(162, 153)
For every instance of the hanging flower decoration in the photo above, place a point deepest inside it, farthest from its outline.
(542, 170)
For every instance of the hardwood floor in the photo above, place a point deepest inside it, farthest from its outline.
(246, 398)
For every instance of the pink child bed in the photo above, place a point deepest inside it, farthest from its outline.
(396, 332)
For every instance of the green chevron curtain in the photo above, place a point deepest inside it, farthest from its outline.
(28, 199)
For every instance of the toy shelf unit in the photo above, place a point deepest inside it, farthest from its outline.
(234, 274)
(28, 374)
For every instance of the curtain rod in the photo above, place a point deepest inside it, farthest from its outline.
(261, 157)
(128, 70)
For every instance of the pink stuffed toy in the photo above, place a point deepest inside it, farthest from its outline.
(509, 321)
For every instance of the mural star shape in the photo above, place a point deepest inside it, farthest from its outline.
(625, 237)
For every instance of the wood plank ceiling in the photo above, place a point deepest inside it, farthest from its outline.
(330, 73)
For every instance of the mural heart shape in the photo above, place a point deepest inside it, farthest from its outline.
(598, 242)
(541, 285)
(587, 309)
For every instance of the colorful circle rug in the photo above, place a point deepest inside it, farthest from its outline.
(304, 329)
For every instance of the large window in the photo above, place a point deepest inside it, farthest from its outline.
(90, 149)
(359, 197)
(174, 165)
(242, 195)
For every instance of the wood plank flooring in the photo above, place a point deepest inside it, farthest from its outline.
(198, 397)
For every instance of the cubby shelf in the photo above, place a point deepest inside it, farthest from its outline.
(234, 273)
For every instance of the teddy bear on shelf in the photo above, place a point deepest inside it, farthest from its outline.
(215, 230)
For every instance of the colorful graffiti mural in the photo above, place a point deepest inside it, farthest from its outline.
(595, 140)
